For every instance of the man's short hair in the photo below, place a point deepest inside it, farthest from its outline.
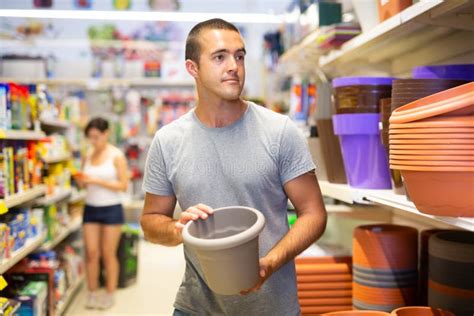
(193, 47)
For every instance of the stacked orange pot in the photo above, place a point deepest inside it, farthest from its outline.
(432, 144)
(385, 260)
(324, 284)
(451, 272)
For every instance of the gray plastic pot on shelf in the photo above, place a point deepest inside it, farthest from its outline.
(226, 244)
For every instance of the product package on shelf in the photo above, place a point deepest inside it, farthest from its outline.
(7, 306)
(20, 168)
(16, 227)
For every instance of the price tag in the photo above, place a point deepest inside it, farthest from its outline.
(3, 283)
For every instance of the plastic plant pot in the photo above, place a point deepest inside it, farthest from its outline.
(401, 84)
(466, 142)
(449, 163)
(432, 136)
(226, 245)
(317, 310)
(439, 122)
(420, 311)
(322, 294)
(433, 152)
(326, 259)
(357, 313)
(432, 168)
(325, 301)
(460, 72)
(431, 157)
(441, 191)
(447, 130)
(331, 151)
(431, 146)
(324, 278)
(365, 158)
(452, 100)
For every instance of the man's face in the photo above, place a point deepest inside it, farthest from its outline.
(221, 68)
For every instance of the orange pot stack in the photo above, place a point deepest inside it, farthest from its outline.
(384, 267)
(432, 144)
(420, 311)
(451, 277)
(324, 284)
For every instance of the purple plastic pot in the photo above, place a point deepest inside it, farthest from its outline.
(362, 81)
(365, 158)
(460, 72)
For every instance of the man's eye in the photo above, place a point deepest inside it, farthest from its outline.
(240, 57)
(219, 57)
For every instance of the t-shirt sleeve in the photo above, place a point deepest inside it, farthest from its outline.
(295, 158)
(155, 179)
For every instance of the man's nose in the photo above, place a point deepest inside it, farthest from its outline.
(232, 64)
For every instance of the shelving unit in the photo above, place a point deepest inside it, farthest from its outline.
(77, 197)
(29, 247)
(345, 193)
(20, 198)
(102, 83)
(54, 123)
(56, 159)
(75, 225)
(69, 295)
(55, 198)
(21, 135)
(408, 39)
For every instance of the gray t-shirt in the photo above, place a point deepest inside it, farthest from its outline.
(246, 163)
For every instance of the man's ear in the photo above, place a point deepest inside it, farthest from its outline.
(192, 68)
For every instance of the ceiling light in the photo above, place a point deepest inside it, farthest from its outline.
(143, 16)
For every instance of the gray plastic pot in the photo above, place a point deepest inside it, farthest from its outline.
(226, 244)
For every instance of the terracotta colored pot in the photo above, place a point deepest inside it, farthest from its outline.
(326, 268)
(326, 259)
(385, 296)
(449, 163)
(439, 122)
(317, 310)
(321, 294)
(357, 313)
(432, 168)
(442, 130)
(324, 286)
(323, 278)
(432, 157)
(325, 301)
(440, 141)
(420, 311)
(441, 193)
(385, 246)
(442, 103)
(449, 146)
(433, 152)
(443, 84)
(432, 136)
(331, 151)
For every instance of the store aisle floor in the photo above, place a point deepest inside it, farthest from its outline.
(160, 272)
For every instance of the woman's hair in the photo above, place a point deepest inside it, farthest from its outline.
(97, 123)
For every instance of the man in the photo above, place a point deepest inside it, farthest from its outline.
(231, 152)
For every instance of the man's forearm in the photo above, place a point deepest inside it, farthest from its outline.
(160, 229)
(306, 230)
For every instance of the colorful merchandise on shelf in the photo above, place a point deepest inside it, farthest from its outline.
(389, 8)
(7, 306)
(452, 72)
(33, 298)
(173, 106)
(20, 168)
(127, 254)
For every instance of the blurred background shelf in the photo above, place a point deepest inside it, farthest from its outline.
(26, 135)
(20, 198)
(55, 198)
(58, 158)
(69, 296)
(30, 246)
(75, 225)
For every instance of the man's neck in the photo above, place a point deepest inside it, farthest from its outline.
(220, 113)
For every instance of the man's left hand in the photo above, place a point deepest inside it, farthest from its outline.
(266, 270)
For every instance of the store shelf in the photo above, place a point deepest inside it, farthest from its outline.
(15, 309)
(55, 198)
(77, 197)
(75, 225)
(20, 198)
(411, 34)
(69, 295)
(27, 135)
(50, 123)
(387, 198)
(58, 158)
(29, 247)
(100, 83)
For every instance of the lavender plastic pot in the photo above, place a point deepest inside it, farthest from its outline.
(365, 157)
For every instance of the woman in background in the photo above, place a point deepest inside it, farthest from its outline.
(105, 177)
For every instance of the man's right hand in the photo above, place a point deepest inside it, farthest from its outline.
(193, 213)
